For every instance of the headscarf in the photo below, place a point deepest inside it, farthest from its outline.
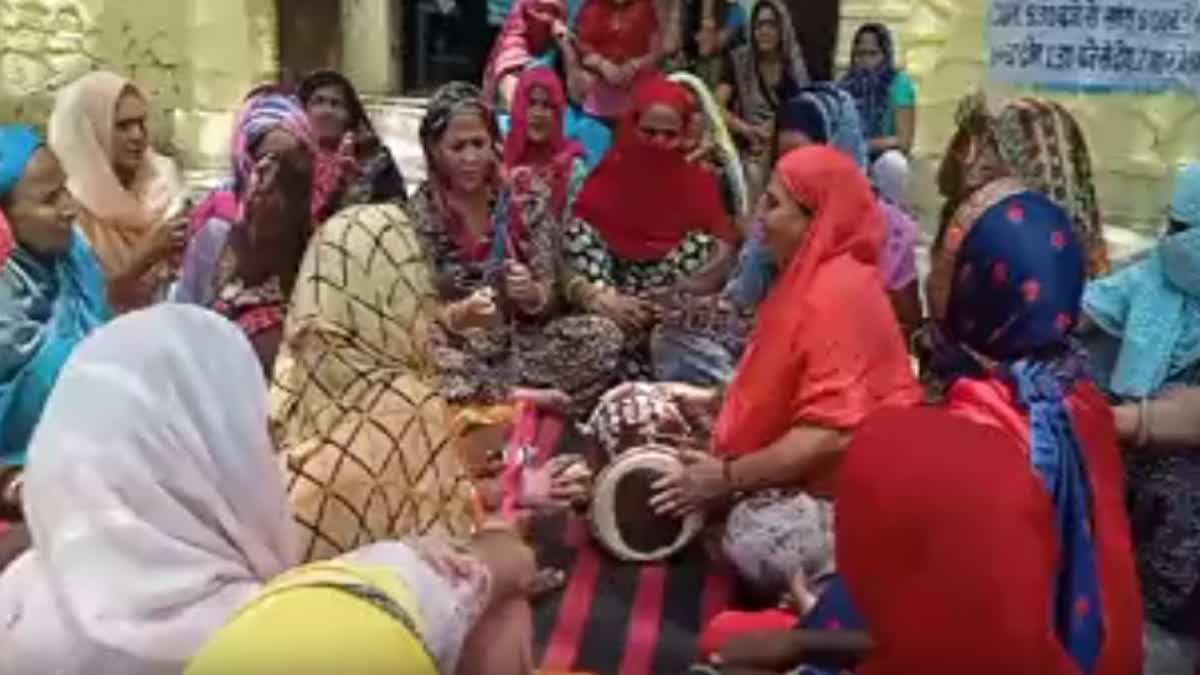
(872, 87)
(644, 199)
(81, 135)
(1038, 142)
(449, 100)
(375, 176)
(618, 33)
(153, 499)
(757, 101)
(261, 114)
(1153, 305)
(355, 378)
(1005, 290)
(46, 306)
(554, 156)
(826, 114)
(809, 361)
(18, 143)
(728, 161)
(522, 38)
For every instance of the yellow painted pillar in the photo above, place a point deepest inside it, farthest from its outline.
(368, 55)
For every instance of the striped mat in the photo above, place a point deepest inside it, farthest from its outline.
(616, 618)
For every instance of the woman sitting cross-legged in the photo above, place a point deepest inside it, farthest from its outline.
(811, 373)
(513, 313)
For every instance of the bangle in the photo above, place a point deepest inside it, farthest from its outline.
(1143, 425)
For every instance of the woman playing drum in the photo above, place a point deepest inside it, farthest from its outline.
(813, 369)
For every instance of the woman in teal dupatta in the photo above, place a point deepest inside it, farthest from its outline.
(52, 292)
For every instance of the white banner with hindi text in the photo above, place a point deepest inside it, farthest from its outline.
(1143, 45)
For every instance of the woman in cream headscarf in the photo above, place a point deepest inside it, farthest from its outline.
(127, 192)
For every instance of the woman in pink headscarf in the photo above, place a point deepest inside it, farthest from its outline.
(536, 146)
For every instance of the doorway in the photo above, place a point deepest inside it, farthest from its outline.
(310, 37)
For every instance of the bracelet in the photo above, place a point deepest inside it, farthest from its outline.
(727, 474)
(1143, 425)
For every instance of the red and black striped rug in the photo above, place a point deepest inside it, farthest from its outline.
(615, 618)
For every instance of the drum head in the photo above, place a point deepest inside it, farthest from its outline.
(620, 512)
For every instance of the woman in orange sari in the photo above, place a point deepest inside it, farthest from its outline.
(811, 372)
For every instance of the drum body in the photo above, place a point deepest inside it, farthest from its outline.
(620, 515)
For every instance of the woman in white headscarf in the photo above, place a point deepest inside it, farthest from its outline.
(157, 511)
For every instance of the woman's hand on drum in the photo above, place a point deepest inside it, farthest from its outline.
(701, 481)
(559, 483)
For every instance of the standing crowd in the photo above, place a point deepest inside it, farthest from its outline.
(274, 430)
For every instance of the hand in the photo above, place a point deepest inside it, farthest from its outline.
(611, 72)
(519, 283)
(702, 151)
(167, 241)
(760, 136)
(477, 310)
(690, 396)
(701, 480)
(560, 482)
(445, 560)
(347, 154)
(629, 312)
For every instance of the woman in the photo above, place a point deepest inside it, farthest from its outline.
(811, 373)
(536, 33)
(352, 165)
(1043, 477)
(536, 144)
(618, 42)
(761, 75)
(157, 511)
(1035, 141)
(130, 197)
(355, 379)
(494, 248)
(644, 237)
(1146, 320)
(52, 294)
(246, 270)
(709, 29)
(885, 94)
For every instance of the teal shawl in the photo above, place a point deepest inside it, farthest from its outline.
(46, 307)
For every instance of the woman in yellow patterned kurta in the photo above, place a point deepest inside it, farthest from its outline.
(354, 406)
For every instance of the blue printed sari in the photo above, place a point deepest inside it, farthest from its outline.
(46, 308)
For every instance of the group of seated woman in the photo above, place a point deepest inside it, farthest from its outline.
(329, 441)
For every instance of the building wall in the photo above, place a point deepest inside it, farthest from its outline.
(1136, 140)
(196, 59)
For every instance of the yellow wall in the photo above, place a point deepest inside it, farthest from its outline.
(196, 58)
(1136, 141)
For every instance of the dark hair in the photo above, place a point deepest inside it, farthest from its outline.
(882, 36)
(1175, 226)
(320, 79)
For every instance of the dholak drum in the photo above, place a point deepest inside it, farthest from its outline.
(620, 514)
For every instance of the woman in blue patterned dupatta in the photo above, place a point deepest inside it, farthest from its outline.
(921, 524)
(52, 292)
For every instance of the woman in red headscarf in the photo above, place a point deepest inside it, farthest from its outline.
(649, 221)
(826, 351)
(536, 148)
